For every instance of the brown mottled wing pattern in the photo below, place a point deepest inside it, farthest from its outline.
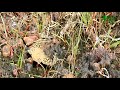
(38, 54)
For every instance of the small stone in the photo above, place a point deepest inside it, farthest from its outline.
(28, 66)
(30, 39)
(29, 60)
(6, 50)
(113, 66)
(56, 41)
(96, 66)
(20, 43)
(15, 72)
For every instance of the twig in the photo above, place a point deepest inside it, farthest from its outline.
(100, 72)
(115, 23)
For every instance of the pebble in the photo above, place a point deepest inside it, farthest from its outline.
(15, 72)
(96, 66)
(28, 66)
(6, 50)
(30, 39)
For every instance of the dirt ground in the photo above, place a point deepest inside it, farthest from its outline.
(18, 31)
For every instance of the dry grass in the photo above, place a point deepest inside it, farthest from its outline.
(80, 32)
